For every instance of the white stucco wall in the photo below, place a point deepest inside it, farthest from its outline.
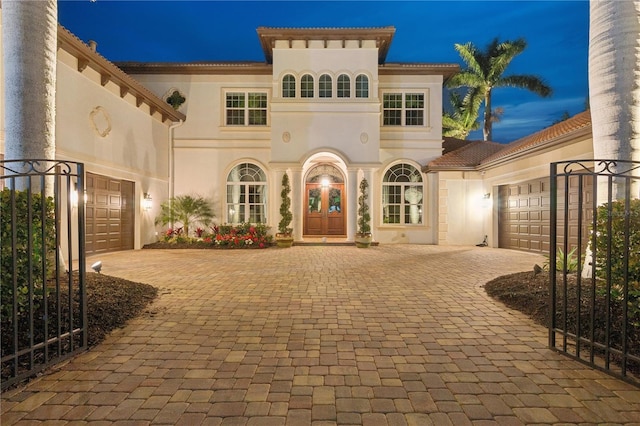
(133, 145)
(464, 217)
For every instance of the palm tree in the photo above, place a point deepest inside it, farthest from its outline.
(29, 35)
(463, 117)
(185, 209)
(614, 92)
(485, 71)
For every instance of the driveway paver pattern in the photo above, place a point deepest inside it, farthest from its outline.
(322, 335)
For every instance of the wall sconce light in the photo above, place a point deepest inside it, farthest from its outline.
(74, 196)
(147, 202)
(486, 200)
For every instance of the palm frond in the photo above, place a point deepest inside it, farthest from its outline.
(530, 82)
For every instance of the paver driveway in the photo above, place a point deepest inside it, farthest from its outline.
(397, 335)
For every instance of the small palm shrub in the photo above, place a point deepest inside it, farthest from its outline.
(186, 210)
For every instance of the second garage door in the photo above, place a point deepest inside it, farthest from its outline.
(109, 214)
(524, 212)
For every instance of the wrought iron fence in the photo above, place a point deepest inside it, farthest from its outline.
(594, 264)
(43, 314)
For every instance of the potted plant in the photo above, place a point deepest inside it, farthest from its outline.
(363, 236)
(284, 237)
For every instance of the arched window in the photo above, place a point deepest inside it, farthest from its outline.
(402, 195)
(306, 86)
(362, 86)
(246, 194)
(344, 86)
(325, 86)
(288, 86)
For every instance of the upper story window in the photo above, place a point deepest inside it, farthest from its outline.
(306, 86)
(403, 109)
(289, 86)
(402, 194)
(325, 86)
(246, 109)
(362, 86)
(344, 86)
(246, 194)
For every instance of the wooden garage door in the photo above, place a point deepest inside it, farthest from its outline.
(525, 211)
(109, 214)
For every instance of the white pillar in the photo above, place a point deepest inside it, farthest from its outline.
(352, 203)
(297, 197)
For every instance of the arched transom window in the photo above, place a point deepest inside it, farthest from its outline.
(246, 194)
(402, 195)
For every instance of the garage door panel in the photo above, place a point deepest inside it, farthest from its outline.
(109, 214)
(524, 214)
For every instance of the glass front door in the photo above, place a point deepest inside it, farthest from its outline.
(325, 209)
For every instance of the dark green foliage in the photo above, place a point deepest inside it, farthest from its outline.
(186, 210)
(285, 207)
(618, 215)
(364, 218)
(35, 253)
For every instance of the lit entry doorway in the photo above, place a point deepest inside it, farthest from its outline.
(325, 202)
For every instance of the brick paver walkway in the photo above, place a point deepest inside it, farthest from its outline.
(392, 335)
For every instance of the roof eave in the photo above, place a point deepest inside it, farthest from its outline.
(382, 35)
(110, 72)
(196, 69)
(562, 140)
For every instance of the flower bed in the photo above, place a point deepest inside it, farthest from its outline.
(245, 236)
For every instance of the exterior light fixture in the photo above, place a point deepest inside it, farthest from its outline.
(325, 182)
(147, 202)
(486, 200)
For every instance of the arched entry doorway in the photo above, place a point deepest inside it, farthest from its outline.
(325, 201)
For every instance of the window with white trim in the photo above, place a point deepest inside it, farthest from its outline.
(362, 86)
(325, 86)
(246, 194)
(403, 109)
(306, 86)
(344, 86)
(246, 109)
(402, 195)
(288, 86)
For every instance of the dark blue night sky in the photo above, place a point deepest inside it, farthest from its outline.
(182, 31)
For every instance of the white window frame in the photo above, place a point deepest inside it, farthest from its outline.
(358, 90)
(246, 117)
(237, 209)
(405, 109)
(286, 87)
(409, 183)
(343, 88)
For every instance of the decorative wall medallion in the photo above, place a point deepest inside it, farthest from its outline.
(286, 137)
(364, 137)
(100, 121)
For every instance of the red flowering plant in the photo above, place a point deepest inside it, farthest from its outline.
(224, 236)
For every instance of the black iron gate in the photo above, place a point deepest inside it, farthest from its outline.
(594, 264)
(42, 265)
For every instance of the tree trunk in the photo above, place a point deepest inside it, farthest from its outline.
(488, 129)
(614, 83)
(29, 35)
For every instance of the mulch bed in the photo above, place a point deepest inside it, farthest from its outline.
(529, 293)
(111, 302)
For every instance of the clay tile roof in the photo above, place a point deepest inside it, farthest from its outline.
(577, 122)
(467, 157)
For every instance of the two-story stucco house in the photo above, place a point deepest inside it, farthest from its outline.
(325, 107)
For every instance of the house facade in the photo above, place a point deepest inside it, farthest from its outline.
(325, 107)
